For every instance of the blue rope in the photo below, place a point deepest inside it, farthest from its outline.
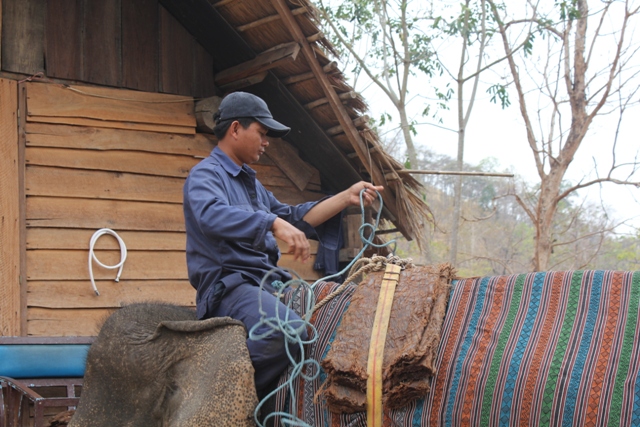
(293, 329)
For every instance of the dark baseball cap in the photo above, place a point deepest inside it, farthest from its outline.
(238, 105)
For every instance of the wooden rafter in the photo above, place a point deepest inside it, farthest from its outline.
(268, 19)
(330, 67)
(263, 62)
(343, 117)
(345, 96)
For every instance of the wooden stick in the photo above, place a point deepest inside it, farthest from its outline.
(359, 121)
(331, 66)
(266, 20)
(318, 102)
(429, 172)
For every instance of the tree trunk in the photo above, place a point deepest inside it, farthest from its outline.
(406, 133)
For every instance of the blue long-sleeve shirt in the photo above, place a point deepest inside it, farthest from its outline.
(228, 217)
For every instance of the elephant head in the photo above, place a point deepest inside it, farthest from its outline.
(157, 365)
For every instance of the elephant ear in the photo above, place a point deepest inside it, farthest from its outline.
(193, 325)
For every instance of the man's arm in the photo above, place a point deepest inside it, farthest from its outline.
(333, 205)
(297, 241)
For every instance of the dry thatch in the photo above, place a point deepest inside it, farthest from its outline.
(263, 26)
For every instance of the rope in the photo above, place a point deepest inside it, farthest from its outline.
(292, 330)
(92, 256)
(376, 263)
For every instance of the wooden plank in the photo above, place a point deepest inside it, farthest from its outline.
(284, 248)
(72, 265)
(79, 294)
(96, 214)
(107, 104)
(23, 36)
(10, 301)
(304, 270)
(58, 182)
(90, 138)
(63, 39)
(114, 161)
(63, 265)
(114, 125)
(65, 238)
(64, 323)
(203, 85)
(263, 62)
(101, 47)
(272, 176)
(0, 35)
(176, 56)
(22, 106)
(140, 45)
(285, 156)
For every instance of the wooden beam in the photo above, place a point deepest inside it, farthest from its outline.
(318, 102)
(459, 173)
(268, 19)
(286, 158)
(358, 122)
(355, 155)
(204, 113)
(244, 83)
(315, 37)
(10, 295)
(341, 113)
(331, 66)
(263, 62)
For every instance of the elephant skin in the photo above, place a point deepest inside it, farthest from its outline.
(157, 365)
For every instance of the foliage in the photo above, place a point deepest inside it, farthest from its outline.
(497, 237)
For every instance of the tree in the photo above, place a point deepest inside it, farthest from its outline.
(401, 44)
(562, 90)
(384, 39)
(471, 29)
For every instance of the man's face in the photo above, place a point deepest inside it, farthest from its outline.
(250, 143)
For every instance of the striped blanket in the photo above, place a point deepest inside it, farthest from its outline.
(537, 349)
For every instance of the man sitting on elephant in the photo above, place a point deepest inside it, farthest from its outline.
(231, 221)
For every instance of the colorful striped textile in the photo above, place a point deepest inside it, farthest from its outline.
(537, 349)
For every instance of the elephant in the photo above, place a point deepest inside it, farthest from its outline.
(155, 364)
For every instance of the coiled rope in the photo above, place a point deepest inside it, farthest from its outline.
(292, 329)
(92, 256)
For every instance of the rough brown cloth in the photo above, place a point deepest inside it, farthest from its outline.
(411, 345)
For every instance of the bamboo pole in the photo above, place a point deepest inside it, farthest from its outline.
(430, 172)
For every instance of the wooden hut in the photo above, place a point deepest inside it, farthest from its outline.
(99, 127)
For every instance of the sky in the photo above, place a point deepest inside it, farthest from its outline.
(499, 133)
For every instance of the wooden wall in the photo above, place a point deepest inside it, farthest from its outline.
(132, 44)
(111, 158)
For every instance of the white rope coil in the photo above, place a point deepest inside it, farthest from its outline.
(92, 255)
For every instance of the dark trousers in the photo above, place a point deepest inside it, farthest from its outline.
(268, 354)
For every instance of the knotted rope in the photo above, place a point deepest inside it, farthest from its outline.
(364, 266)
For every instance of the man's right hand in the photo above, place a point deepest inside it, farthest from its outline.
(296, 239)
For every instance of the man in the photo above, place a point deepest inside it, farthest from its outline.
(231, 221)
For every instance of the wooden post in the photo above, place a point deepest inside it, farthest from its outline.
(10, 248)
(343, 117)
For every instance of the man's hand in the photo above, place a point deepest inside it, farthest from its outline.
(368, 197)
(296, 239)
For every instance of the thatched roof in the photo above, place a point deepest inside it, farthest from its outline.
(275, 49)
